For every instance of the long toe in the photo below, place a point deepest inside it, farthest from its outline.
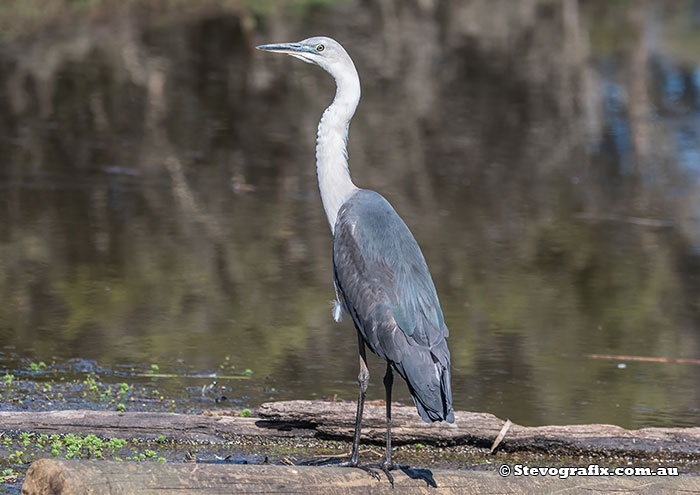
(372, 472)
(336, 462)
(387, 467)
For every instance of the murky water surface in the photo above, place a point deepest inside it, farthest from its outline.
(158, 205)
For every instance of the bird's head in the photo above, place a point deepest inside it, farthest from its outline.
(320, 50)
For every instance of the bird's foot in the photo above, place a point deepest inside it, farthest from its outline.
(388, 466)
(422, 474)
(355, 464)
(336, 462)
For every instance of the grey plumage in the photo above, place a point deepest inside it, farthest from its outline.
(386, 287)
(380, 275)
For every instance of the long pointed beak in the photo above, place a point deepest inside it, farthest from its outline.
(288, 48)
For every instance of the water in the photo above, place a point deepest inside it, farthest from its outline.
(158, 202)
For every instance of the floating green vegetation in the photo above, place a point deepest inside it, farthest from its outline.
(35, 367)
(24, 447)
(31, 384)
(37, 385)
(8, 476)
(227, 364)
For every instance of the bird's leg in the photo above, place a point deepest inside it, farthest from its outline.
(388, 382)
(388, 465)
(363, 378)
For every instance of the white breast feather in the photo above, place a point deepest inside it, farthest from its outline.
(337, 310)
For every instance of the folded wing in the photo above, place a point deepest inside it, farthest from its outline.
(384, 283)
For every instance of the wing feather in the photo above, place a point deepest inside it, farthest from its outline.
(386, 287)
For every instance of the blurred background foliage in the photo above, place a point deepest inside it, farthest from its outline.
(158, 197)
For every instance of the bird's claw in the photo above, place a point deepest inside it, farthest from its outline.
(372, 472)
(387, 467)
(333, 461)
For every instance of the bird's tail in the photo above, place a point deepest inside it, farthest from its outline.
(428, 376)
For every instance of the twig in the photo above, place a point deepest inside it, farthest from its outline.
(371, 450)
(644, 358)
(348, 454)
(500, 436)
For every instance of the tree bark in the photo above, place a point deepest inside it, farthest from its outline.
(145, 425)
(309, 419)
(336, 420)
(52, 477)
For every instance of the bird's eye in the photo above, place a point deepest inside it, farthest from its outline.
(320, 48)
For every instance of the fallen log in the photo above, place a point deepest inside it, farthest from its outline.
(336, 420)
(144, 425)
(51, 477)
(319, 419)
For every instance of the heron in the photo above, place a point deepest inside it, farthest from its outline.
(380, 276)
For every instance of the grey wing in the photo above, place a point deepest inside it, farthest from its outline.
(386, 287)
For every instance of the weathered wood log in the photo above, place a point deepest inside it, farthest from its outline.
(307, 419)
(336, 420)
(143, 425)
(51, 477)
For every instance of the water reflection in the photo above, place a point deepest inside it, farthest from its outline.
(158, 198)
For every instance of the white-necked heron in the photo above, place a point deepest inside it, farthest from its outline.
(380, 276)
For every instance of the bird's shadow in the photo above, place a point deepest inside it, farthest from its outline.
(419, 474)
(413, 473)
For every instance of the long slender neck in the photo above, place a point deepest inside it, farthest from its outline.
(334, 180)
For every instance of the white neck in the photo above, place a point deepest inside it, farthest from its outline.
(334, 180)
